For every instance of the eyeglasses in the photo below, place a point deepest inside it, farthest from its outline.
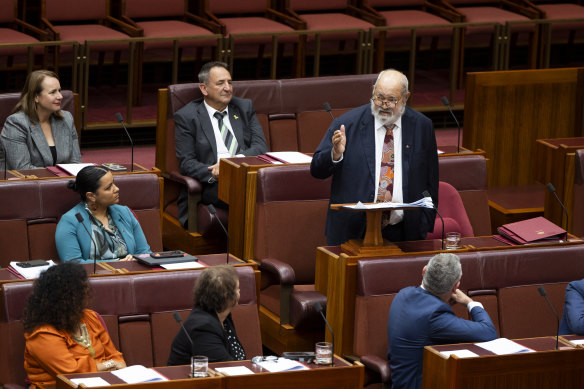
(390, 103)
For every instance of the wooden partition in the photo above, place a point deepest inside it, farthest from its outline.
(506, 112)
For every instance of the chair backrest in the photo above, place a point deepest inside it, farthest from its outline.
(396, 3)
(577, 216)
(8, 11)
(452, 210)
(153, 9)
(74, 10)
(321, 5)
(221, 7)
(290, 217)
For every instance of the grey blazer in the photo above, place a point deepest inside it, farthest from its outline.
(26, 147)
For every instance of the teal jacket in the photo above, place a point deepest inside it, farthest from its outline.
(74, 243)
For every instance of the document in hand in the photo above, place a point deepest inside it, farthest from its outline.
(425, 202)
(138, 373)
(535, 230)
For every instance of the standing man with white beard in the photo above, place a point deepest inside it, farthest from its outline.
(382, 151)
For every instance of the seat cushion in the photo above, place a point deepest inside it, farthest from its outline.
(494, 15)
(174, 28)
(415, 18)
(245, 25)
(8, 35)
(82, 33)
(564, 11)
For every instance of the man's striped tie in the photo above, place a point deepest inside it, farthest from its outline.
(226, 135)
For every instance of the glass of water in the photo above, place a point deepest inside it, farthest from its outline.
(323, 353)
(199, 366)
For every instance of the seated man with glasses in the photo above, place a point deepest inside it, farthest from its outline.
(382, 151)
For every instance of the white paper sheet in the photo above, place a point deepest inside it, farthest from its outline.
(503, 346)
(31, 272)
(291, 156)
(73, 168)
(459, 353)
(138, 373)
(90, 382)
(182, 265)
(577, 341)
(282, 364)
(425, 202)
(234, 370)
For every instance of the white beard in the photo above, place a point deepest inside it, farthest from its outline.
(387, 119)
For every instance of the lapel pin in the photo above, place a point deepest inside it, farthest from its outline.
(235, 117)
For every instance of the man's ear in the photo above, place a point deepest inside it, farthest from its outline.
(456, 286)
(407, 96)
(203, 88)
(424, 271)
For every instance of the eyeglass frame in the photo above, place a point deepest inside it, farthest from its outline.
(385, 102)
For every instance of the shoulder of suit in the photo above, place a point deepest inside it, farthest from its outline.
(413, 114)
(117, 209)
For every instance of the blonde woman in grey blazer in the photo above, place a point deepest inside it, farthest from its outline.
(39, 134)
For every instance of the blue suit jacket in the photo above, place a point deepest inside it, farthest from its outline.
(196, 147)
(73, 242)
(573, 318)
(354, 177)
(418, 319)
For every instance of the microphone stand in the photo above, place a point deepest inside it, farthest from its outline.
(121, 120)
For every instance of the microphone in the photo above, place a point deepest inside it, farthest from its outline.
(120, 119)
(543, 293)
(318, 308)
(552, 189)
(435, 208)
(80, 220)
(447, 103)
(179, 321)
(327, 108)
(213, 211)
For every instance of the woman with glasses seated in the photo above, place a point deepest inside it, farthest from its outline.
(98, 228)
(63, 336)
(209, 325)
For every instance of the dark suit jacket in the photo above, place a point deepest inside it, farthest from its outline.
(354, 177)
(573, 318)
(418, 319)
(196, 148)
(27, 148)
(208, 339)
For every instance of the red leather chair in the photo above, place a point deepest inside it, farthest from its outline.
(452, 210)
(254, 17)
(413, 13)
(15, 31)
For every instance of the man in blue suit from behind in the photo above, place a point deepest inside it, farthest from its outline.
(421, 316)
(353, 151)
(573, 318)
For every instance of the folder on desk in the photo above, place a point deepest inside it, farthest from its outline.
(535, 230)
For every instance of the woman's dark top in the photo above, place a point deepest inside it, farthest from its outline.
(218, 343)
(54, 154)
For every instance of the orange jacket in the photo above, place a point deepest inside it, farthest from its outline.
(49, 352)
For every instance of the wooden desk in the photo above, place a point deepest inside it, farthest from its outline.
(134, 267)
(336, 276)
(554, 162)
(545, 368)
(342, 375)
(36, 174)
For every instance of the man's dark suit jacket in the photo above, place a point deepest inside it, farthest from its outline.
(354, 177)
(573, 318)
(196, 148)
(208, 338)
(417, 319)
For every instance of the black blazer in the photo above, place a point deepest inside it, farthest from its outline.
(354, 177)
(208, 339)
(196, 147)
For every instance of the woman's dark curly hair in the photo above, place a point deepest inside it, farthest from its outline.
(58, 298)
(215, 289)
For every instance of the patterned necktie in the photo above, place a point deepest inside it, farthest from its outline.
(226, 135)
(386, 173)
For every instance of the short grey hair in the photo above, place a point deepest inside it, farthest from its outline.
(442, 273)
(206, 70)
(403, 80)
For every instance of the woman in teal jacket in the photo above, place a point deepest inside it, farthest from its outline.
(115, 232)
